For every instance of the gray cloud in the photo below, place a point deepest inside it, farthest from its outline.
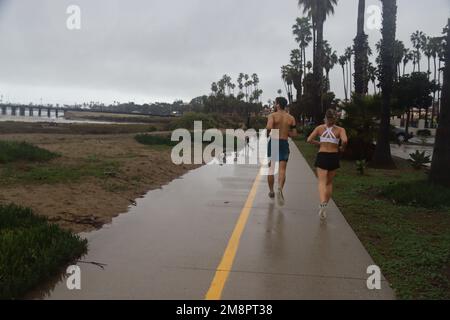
(148, 50)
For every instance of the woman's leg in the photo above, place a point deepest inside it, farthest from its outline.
(329, 185)
(322, 175)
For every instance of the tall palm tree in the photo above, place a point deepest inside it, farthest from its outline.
(439, 168)
(309, 66)
(407, 57)
(361, 46)
(372, 74)
(382, 156)
(318, 10)
(330, 60)
(297, 71)
(441, 56)
(343, 62)
(428, 52)
(303, 35)
(399, 51)
(434, 46)
(418, 39)
(348, 54)
(286, 76)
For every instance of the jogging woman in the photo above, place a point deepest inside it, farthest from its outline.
(332, 140)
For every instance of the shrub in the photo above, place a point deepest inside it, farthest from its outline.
(361, 126)
(418, 194)
(361, 166)
(419, 159)
(258, 123)
(32, 250)
(152, 129)
(307, 130)
(188, 119)
(11, 151)
(424, 133)
(152, 140)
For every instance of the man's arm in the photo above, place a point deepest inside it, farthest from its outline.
(269, 126)
(313, 136)
(293, 130)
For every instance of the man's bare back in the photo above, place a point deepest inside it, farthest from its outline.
(282, 121)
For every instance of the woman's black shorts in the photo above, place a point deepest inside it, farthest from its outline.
(327, 161)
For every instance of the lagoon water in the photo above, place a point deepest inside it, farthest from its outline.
(5, 118)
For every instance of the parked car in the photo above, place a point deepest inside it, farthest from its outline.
(400, 134)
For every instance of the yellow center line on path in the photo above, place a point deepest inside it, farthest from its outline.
(224, 268)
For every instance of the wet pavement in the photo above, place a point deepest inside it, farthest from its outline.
(170, 245)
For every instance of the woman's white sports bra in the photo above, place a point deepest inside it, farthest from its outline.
(329, 136)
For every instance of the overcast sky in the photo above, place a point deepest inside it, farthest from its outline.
(162, 50)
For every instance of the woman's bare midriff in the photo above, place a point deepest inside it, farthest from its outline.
(327, 147)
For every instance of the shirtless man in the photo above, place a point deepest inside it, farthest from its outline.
(286, 127)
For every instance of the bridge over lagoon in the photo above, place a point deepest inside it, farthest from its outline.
(32, 111)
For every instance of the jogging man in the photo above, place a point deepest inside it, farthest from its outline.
(284, 126)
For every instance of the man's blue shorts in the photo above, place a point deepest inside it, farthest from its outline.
(283, 154)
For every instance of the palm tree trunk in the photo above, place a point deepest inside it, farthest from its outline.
(345, 86)
(318, 72)
(439, 168)
(351, 77)
(439, 92)
(314, 39)
(408, 117)
(433, 107)
(348, 80)
(361, 58)
(382, 156)
(418, 60)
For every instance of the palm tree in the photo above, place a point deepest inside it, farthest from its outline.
(286, 76)
(309, 66)
(439, 168)
(343, 62)
(303, 36)
(255, 82)
(348, 55)
(318, 10)
(297, 71)
(441, 56)
(428, 52)
(433, 49)
(408, 56)
(372, 74)
(382, 156)
(330, 60)
(361, 53)
(418, 39)
(399, 51)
